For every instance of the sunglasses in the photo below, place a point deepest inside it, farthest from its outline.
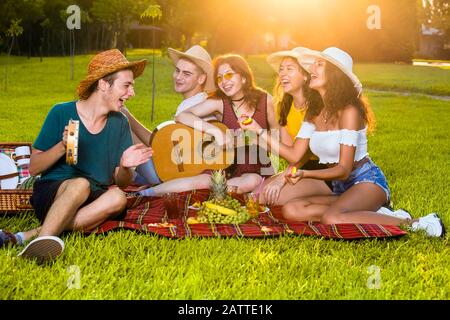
(227, 76)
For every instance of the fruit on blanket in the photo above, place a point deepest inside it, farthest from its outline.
(247, 121)
(228, 210)
(192, 220)
(220, 209)
(197, 204)
(218, 185)
(209, 215)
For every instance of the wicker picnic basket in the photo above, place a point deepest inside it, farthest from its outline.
(14, 200)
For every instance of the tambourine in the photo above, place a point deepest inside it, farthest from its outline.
(72, 142)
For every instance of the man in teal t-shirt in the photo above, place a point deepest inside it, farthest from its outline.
(98, 153)
(79, 197)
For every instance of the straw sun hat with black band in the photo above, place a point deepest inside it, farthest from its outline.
(106, 63)
(340, 59)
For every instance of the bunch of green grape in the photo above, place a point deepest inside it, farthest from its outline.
(228, 202)
(208, 215)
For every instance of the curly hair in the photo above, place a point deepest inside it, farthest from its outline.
(252, 93)
(284, 100)
(341, 92)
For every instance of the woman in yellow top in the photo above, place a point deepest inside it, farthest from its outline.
(292, 96)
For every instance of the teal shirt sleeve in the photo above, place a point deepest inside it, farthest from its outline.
(51, 131)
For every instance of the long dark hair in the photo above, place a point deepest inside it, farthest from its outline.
(341, 92)
(252, 93)
(284, 100)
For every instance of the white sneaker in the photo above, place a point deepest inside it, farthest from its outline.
(400, 213)
(431, 224)
(43, 249)
(385, 211)
(403, 214)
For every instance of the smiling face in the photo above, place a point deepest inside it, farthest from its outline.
(117, 89)
(229, 82)
(290, 75)
(318, 78)
(188, 78)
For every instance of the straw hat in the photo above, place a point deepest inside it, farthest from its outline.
(340, 59)
(276, 58)
(201, 58)
(105, 63)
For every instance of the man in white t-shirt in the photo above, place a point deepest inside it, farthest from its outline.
(193, 79)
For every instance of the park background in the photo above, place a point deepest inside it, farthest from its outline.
(411, 143)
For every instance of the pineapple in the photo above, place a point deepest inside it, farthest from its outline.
(220, 207)
(218, 186)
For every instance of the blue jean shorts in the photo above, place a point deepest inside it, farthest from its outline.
(368, 172)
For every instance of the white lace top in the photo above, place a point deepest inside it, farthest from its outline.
(326, 144)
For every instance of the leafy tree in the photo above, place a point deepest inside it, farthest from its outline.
(436, 14)
(14, 31)
(117, 16)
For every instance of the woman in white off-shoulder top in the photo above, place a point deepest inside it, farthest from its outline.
(336, 133)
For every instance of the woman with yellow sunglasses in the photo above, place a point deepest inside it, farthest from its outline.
(238, 98)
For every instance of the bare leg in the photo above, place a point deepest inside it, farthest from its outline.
(308, 208)
(356, 205)
(51, 222)
(103, 208)
(201, 181)
(70, 196)
(303, 188)
(246, 183)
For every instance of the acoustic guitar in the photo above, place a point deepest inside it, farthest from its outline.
(181, 151)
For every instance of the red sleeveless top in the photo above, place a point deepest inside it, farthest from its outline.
(248, 158)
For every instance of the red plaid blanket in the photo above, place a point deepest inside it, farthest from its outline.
(148, 214)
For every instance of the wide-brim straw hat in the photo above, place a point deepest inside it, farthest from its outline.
(340, 59)
(105, 63)
(201, 58)
(275, 59)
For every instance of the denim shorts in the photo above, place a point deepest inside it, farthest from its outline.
(368, 172)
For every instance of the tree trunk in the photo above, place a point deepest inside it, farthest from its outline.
(62, 44)
(11, 47)
(29, 44)
(102, 39)
(88, 45)
(97, 37)
(48, 42)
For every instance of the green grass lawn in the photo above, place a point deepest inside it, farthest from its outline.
(411, 145)
(399, 77)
